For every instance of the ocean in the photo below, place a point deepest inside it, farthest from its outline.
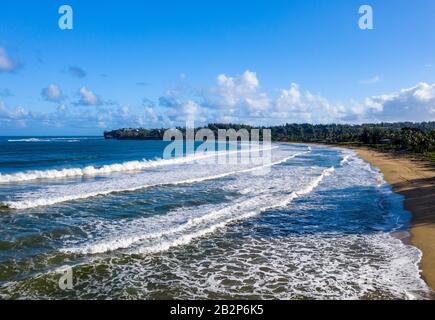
(119, 222)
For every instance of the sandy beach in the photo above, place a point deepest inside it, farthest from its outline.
(415, 179)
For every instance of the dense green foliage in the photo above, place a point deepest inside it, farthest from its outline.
(414, 137)
(135, 134)
(408, 136)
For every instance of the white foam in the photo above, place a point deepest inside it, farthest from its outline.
(29, 140)
(259, 206)
(116, 167)
(72, 139)
(50, 196)
(345, 159)
(314, 266)
(202, 221)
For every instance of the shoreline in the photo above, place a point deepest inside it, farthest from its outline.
(414, 178)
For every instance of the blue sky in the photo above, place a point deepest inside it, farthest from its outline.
(159, 63)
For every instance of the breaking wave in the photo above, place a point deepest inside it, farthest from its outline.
(208, 221)
(115, 168)
(133, 183)
(72, 139)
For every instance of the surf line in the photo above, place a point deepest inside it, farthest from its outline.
(33, 203)
(117, 167)
(187, 238)
(226, 212)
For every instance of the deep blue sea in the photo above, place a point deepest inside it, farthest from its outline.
(312, 223)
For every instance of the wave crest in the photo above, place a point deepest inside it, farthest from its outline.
(113, 168)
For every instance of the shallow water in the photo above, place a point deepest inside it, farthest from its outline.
(318, 224)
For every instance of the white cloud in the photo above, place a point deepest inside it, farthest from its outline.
(290, 98)
(17, 114)
(239, 89)
(124, 111)
(182, 110)
(88, 98)
(424, 92)
(151, 115)
(373, 80)
(6, 63)
(247, 82)
(52, 93)
(412, 104)
(298, 106)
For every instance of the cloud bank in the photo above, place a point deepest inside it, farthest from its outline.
(232, 98)
(412, 104)
(240, 99)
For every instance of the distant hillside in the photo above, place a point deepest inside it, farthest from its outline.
(135, 134)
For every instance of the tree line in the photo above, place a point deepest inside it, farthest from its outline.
(408, 136)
